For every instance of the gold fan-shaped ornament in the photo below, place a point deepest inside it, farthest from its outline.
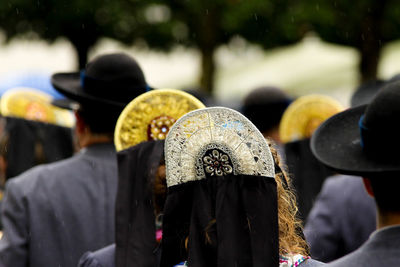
(31, 104)
(151, 115)
(305, 114)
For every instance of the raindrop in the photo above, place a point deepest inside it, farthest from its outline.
(17, 10)
(255, 17)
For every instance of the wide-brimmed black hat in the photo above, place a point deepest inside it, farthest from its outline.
(109, 81)
(265, 100)
(366, 92)
(363, 140)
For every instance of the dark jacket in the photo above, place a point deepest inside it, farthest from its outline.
(341, 220)
(381, 249)
(54, 213)
(105, 257)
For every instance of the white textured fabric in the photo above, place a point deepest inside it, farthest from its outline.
(292, 260)
(219, 128)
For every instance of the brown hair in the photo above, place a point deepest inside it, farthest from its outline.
(291, 240)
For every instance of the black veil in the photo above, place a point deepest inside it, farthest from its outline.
(135, 219)
(30, 143)
(308, 174)
(222, 221)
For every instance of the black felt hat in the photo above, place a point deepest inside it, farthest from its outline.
(363, 140)
(109, 81)
(366, 92)
(265, 100)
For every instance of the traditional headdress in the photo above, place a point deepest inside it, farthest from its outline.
(138, 137)
(32, 104)
(298, 123)
(305, 114)
(221, 208)
(151, 115)
(34, 131)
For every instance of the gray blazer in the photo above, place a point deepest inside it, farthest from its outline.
(341, 220)
(381, 249)
(54, 213)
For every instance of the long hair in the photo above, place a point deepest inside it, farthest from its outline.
(291, 240)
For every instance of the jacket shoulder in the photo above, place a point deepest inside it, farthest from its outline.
(311, 263)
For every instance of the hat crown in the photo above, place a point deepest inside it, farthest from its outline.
(379, 127)
(383, 112)
(116, 67)
(116, 77)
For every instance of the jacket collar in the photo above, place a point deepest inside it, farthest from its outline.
(99, 149)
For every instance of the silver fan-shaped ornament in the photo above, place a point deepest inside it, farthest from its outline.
(215, 141)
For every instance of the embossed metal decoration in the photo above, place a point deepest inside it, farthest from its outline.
(305, 114)
(215, 141)
(32, 104)
(151, 115)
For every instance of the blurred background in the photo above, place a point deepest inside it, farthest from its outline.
(221, 47)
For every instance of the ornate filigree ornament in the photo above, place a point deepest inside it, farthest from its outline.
(217, 163)
(32, 104)
(215, 142)
(151, 115)
(305, 114)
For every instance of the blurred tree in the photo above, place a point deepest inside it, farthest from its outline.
(81, 22)
(364, 24)
(268, 23)
(206, 24)
(203, 24)
(198, 23)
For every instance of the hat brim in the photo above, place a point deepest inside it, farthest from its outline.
(65, 103)
(69, 84)
(337, 144)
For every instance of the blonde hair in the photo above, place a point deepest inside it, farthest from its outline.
(291, 240)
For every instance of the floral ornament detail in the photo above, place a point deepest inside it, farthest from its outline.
(217, 163)
(159, 127)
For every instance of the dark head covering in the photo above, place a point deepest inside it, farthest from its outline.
(223, 206)
(264, 106)
(366, 92)
(237, 213)
(30, 143)
(135, 220)
(308, 174)
(363, 140)
(103, 89)
(110, 81)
